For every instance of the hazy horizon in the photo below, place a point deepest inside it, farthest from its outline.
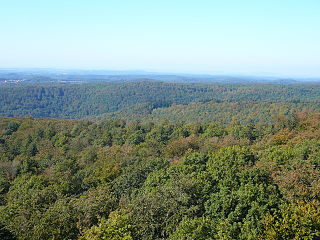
(100, 71)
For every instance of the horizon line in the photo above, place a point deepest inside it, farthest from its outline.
(150, 71)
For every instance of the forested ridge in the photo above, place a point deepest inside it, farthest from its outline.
(223, 112)
(77, 101)
(76, 179)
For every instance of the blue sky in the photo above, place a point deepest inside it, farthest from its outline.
(280, 37)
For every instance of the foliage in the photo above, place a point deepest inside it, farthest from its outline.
(116, 227)
(76, 179)
(139, 99)
(294, 221)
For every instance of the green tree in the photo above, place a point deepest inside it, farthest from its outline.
(116, 227)
(301, 221)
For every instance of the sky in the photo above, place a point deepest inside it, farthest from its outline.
(271, 37)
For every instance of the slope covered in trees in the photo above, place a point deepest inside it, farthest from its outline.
(87, 100)
(224, 112)
(74, 179)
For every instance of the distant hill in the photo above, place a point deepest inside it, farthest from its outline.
(223, 112)
(87, 76)
(76, 101)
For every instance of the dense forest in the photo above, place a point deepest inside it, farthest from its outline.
(76, 101)
(223, 112)
(148, 160)
(76, 179)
